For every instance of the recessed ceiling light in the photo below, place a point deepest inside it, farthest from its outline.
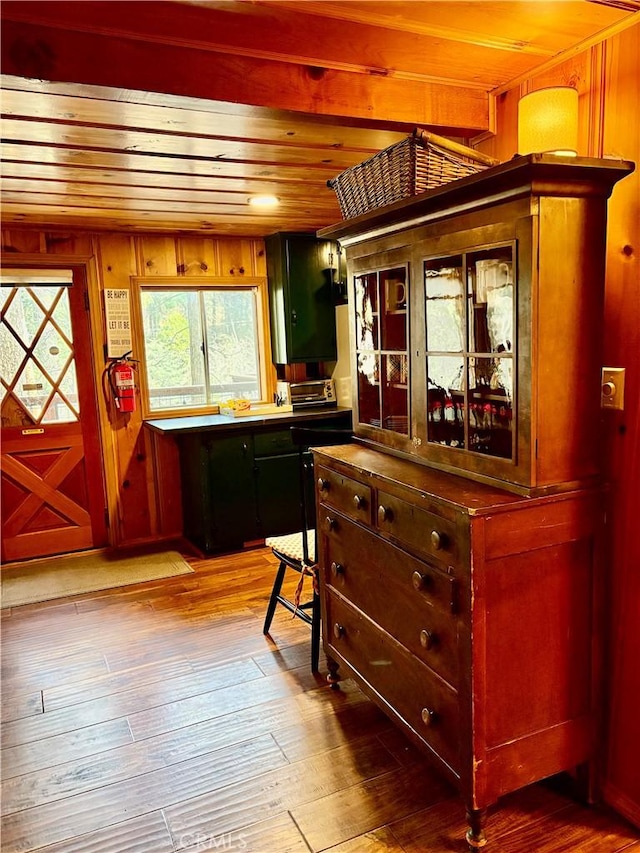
(264, 200)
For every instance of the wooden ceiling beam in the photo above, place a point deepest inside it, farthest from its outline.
(138, 62)
(267, 123)
(279, 34)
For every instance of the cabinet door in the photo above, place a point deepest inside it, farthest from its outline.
(278, 494)
(382, 357)
(303, 324)
(196, 494)
(233, 516)
(470, 329)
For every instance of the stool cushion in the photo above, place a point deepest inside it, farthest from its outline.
(291, 545)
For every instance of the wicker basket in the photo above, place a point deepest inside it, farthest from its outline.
(420, 162)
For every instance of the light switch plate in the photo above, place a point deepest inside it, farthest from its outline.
(612, 388)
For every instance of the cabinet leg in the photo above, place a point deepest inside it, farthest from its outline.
(333, 678)
(476, 838)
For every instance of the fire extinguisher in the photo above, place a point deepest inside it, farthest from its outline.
(120, 375)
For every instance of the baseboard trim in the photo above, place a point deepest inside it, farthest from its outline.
(621, 803)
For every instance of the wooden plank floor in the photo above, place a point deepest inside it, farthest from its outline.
(157, 718)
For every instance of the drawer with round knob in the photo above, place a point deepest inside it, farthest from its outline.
(342, 493)
(415, 602)
(422, 700)
(424, 531)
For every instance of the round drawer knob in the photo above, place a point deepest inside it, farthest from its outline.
(330, 523)
(323, 485)
(420, 581)
(437, 540)
(338, 631)
(429, 716)
(337, 569)
(384, 514)
(428, 639)
(358, 501)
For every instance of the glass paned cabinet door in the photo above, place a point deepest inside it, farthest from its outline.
(381, 349)
(470, 326)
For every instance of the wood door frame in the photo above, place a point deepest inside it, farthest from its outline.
(86, 266)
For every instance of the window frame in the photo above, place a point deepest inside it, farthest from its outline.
(266, 369)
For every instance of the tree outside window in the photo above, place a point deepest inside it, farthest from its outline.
(202, 346)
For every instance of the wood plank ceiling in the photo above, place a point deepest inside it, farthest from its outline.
(167, 116)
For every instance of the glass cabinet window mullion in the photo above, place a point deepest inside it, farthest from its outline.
(380, 303)
(466, 399)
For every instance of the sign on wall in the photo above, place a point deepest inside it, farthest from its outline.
(118, 319)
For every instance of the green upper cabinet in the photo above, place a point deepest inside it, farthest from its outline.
(303, 324)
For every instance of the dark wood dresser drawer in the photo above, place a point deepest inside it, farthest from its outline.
(425, 531)
(342, 493)
(418, 603)
(417, 695)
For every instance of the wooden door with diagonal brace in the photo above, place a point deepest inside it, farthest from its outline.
(53, 498)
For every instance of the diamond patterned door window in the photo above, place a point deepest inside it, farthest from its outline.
(52, 497)
(37, 366)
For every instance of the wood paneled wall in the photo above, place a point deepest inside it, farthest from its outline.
(607, 78)
(141, 469)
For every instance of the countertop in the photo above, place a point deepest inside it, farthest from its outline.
(224, 423)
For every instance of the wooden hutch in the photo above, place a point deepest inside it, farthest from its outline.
(460, 573)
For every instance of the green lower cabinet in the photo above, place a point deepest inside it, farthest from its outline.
(242, 487)
(231, 478)
(218, 491)
(196, 491)
(278, 494)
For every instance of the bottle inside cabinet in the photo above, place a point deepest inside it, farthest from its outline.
(469, 317)
(381, 349)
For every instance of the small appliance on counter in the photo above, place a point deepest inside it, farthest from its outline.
(311, 392)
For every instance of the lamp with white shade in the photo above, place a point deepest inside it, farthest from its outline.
(548, 121)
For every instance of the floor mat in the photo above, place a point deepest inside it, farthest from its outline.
(73, 574)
